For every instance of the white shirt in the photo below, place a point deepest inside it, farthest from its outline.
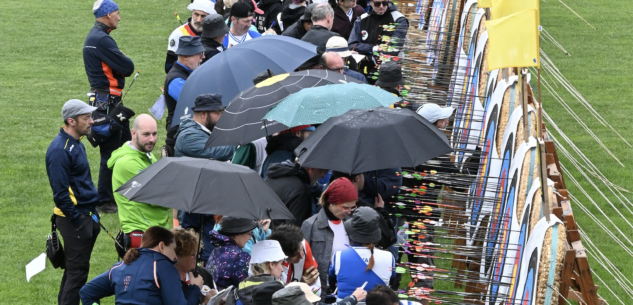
(341, 240)
(235, 40)
(350, 14)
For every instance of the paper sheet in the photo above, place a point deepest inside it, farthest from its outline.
(358, 57)
(35, 266)
(158, 109)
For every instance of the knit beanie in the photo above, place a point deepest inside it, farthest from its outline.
(340, 191)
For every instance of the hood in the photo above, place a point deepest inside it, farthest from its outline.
(186, 124)
(392, 7)
(219, 240)
(265, 4)
(293, 13)
(126, 150)
(283, 141)
(287, 169)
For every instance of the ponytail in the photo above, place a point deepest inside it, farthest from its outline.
(131, 256)
(370, 265)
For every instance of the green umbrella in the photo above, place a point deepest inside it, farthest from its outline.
(316, 105)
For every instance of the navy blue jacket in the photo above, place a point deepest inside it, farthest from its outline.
(68, 171)
(106, 66)
(357, 75)
(151, 279)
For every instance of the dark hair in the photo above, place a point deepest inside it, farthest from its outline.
(151, 238)
(289, 237)
(72, 117)
(336, 175)
(381, 295)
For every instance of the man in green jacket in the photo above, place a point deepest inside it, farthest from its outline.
(127, 161)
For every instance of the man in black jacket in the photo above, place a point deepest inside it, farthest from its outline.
(302, 26)
(213, 32)
(106, 67)
(291, 14)
(292, 183)
(319, 34)
(265, 21)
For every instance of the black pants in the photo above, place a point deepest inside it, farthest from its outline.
(78, 244)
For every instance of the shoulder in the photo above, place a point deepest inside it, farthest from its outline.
(383, 255)
(177, 33)
(254, 34)
(363, 16)
(397, 15)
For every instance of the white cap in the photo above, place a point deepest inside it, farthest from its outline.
(267, 251)
(432, 112)
(202, 5)
(306, 290)
(339, 45)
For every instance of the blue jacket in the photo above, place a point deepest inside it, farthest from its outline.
(191, 138)
(389, 183)
(68, 171)
(151, 279)
(106, 66)
(357, 75)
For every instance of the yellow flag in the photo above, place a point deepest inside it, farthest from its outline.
(503, 8)
(513, 41)
(484, 3)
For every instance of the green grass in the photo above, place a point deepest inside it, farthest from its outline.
(42, 67)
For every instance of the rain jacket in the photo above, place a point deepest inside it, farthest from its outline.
(279, 149)
(295, 31)
(191, 138)
(271, 9)
(125, 163)
(150, 279)
(371, 22)
(291, 184)
(291, 14)
(228, 263)
(244, 292)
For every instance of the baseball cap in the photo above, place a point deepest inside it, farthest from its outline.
(306, 290)
(74, 107)
(339, 45)
(432, 112)
(242, 10)
(202, 5)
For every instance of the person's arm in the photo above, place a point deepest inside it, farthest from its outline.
(354, 40)
(295, 204)
(332, 270)
(307, 232)
(110, 54)
(58, 167)
(175, 86)
(171, 287)
(399, 32)
(240, 273)
(194, 143)
(170, 60)
(98, 288)
(349, 300)
(389, 183)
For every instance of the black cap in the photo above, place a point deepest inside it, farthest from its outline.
(189, 45)
(208, 102)
(214, 26)
(233, 225)
(362, 227)
(263, 293)
(307, 14)
(242, 10)
(262, 76)
(390, 75)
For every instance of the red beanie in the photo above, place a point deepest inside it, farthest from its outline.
(340, 191)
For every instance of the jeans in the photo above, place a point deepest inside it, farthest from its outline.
(78, 245)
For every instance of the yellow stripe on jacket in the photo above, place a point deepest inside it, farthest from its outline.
(59, 212)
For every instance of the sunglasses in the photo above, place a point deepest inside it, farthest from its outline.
(381, 3)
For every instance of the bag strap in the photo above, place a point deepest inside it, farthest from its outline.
(53, 225)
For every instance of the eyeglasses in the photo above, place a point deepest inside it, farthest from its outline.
(339, 70)
(346, 209)
(381, 3)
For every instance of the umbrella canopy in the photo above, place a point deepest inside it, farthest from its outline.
(365, 140)
(233, 70)
(205, 186)
(315, 105)
(241, 122)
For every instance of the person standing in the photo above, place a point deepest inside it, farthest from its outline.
(319, 34)
(240, 21)
(200, 9)
(190, 54)
(291, 14)
(127, 161)
(106, 67)
(271, 11)
(302, 26)
(345, 14)
(213, 32)
(75, 197)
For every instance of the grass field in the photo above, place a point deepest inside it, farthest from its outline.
(42, 67)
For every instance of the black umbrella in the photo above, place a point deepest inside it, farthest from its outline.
(233, 70)
(205, 186)
(241, 122)
(365, 140)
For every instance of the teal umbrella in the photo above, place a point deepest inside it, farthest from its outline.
(316, 105)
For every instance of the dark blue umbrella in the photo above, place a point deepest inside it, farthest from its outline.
(233, 70)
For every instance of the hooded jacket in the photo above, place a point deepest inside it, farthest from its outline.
(368, 28)
(271, 9)
(191, 138)
(125, 163)
(279, 149)
(106, 66)
(211, 48)
(295, 31)
(243, 295)
(291, 14)
(150, 279)
(291, 184)
(342, 24)
(228, 263)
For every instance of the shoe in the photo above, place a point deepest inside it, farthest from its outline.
(108, 208)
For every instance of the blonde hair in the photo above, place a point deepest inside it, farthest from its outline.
(260, 268)
(186, 241)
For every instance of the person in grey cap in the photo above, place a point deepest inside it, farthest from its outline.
(75, 197)
(361, 263)
(390, 77)
(213, 32)
(190, 53)
(302, 26)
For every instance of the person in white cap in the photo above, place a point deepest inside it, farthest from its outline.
(435, 114)
(199, 9)
(338, 45)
